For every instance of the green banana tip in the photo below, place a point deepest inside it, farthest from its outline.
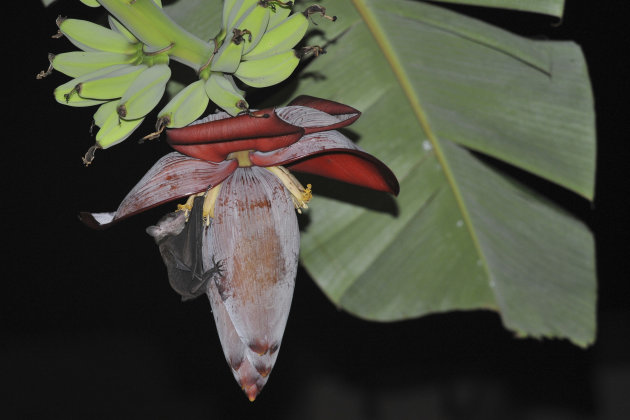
(49, 70)
(238, 36)
(247, 111)
(244, 106)
(272, 4)
(162, 122)
(89, 155)
(121, 110)
(160, 126)
(314, 51)
(60, 19)
(314, 9)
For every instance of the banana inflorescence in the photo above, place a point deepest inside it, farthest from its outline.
(115, 70)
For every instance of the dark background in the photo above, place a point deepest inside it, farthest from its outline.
(90, 328)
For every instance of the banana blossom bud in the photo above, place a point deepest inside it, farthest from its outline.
(237, 237)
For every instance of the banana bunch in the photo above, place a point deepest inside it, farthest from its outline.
(112, 68)
(112, 71)
(255, 45)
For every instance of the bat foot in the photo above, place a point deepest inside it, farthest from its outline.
(217, 267)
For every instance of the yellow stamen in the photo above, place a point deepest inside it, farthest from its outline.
(300, 195)
(208, 204)
(187, 207)
(243, 158)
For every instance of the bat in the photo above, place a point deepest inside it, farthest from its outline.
(181, 245)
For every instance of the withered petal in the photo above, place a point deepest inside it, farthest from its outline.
(325, 105)
(214, 140)
(333, 155)
(314, 120)
(172, 177)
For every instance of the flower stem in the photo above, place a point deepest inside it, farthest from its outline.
(157, 30)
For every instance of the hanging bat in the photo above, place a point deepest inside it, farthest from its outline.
(181, 245)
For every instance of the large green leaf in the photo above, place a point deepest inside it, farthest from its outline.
(434, 86)
(549, 7)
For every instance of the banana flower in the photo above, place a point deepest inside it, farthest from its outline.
(237, 237)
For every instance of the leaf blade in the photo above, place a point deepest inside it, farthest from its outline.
(367, 284)
(549, 7)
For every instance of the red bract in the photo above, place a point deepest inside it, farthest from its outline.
(250, 236)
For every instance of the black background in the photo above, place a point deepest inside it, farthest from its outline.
(91, 329)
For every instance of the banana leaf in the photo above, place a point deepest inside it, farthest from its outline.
(549, 7)
(443, 96)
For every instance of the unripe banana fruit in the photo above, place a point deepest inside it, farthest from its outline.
(113, 129)
(237, 10)
(255, 24)
(186, 106)
(281, 38)
(104, 111)
(227, 59)
(222, 90)
(67, 93)
(91, 3)
(144, 93)
(277, 16)
(79, 63)
(111, 85)
(120, 28)
(89, 36)
(267, 71)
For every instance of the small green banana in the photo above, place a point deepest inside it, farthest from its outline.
(91, 3)
(228, 5)
(61, 96)
(222, 90)
(111, 85)
(89, 36)
(144, 93)
(228, 57)
(281, 38)
(104, 111)
(120, 28)
(114, 129)
(79, 63)
(277, 16)
(238, 10)
(67, 94)
(269, 70)
(233, 12)
(186, 106)
(254, 23)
